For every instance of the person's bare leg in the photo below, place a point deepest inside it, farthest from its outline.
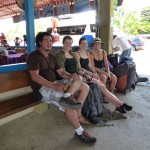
(83, 92)
(103, 79)
(83, 89)
(80, 133)
(74, 86)
(72, 117)
(113, 83)
(109, 96)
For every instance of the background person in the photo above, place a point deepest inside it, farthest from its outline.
(3, 39)
(55, 35)
(25, 40)
(17, 41)
(124, 45)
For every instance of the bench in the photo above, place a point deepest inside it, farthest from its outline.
(10, 103)
(16, 80)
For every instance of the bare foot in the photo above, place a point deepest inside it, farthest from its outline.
(83, 120)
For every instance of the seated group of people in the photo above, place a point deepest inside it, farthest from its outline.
(76, 70)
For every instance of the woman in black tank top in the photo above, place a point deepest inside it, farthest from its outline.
(99, 61)
(83, 57)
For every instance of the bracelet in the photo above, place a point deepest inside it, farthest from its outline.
(84, 75)
(92, 74)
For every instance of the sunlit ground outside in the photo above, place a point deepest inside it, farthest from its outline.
(142, 60)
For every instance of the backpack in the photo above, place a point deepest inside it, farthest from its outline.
(113, 61)
(126, 77)
(93, 107)
(142, 79)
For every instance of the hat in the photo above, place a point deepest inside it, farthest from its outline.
(96, 40)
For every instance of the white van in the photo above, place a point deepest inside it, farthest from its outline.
(75, 25)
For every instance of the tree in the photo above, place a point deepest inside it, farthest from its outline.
(130, 22)
(146, 13)
(146, 16)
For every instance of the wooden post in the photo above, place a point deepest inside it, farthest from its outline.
(104, 22)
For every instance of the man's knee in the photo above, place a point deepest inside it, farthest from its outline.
(84, 87)
(76, 83)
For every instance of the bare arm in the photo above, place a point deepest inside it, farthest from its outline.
(78, 60)
(67, 75)
(43, 82)
(91, 66)
(64, 74)
(106, 63)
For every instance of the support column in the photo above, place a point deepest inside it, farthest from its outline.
(29, 15)
(104, 22)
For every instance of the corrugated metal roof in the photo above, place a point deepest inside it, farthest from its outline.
(9, 8)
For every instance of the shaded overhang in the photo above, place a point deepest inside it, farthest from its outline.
(10, 8)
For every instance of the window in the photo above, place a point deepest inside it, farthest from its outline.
(93, 28)
(70, 30)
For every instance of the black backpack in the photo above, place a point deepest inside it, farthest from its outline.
(113, 61)
(93, 107)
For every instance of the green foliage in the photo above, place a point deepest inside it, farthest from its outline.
(131, 22)
(146, 13)
(39, 28)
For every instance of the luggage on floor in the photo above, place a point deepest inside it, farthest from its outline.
(93, 107)
(126, 77)
(142, 79)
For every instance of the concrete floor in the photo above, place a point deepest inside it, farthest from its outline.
(51, 131)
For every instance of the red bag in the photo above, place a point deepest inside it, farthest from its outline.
(126, 77)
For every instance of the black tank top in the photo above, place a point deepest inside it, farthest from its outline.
(84, 62)
(70, 65)
(99, 63)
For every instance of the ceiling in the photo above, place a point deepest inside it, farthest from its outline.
(9, 8)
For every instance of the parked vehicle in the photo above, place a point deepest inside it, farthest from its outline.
(77, 28)
(137, 42)
(146, 36)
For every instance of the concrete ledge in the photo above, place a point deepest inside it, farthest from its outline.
(40, 108)
(15, 116)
